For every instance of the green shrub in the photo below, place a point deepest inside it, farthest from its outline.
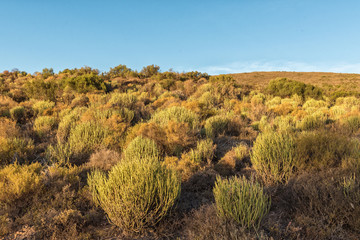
(141, 148)
(87, 137)
(119, 71)
(40, 89)
(59, 154)
(312, 122)
(272, 156)
(69, 121)
(136, 194)
(17, 181)
(204, 152)
(150, 71)
(283, 87)
(17, 113)
(176, 114)
(122, 100)
(241, 151)
(216, 125)
(44, 124)
(85, 83)
(41, 106)
(241, 200)
(222, 78)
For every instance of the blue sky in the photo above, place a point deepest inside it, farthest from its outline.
(209, 36)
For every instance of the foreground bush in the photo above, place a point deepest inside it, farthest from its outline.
(273, 156)
(136, 194)
(241, 200)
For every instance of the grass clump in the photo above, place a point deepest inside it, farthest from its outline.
(241, 200)
(136, 194)
(273, 156)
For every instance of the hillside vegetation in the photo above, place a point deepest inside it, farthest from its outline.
(148, 154)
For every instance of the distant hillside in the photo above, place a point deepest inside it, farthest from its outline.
(326, 80)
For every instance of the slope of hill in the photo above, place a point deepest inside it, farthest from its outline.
(165, 155)
(327, 80)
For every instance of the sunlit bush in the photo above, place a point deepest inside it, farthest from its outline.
(233, 159)
(141, 148)
(136, 194)
(216, 125)
(241, 200)
(122, 100)
(313, 121)
(87, 137)
(273, 155)
(192, 161)
(18, 181)
(41, 107)
(44, 124)
(177, 114)
(69, 119)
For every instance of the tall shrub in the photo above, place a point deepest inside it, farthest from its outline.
(273, 156)
(241, 200)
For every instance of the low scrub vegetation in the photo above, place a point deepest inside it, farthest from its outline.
(154, 154)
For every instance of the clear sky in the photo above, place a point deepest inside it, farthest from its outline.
(205, 35)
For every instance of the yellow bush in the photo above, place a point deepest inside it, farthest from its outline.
(8, 128)
(18, 181)
(15, 149)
